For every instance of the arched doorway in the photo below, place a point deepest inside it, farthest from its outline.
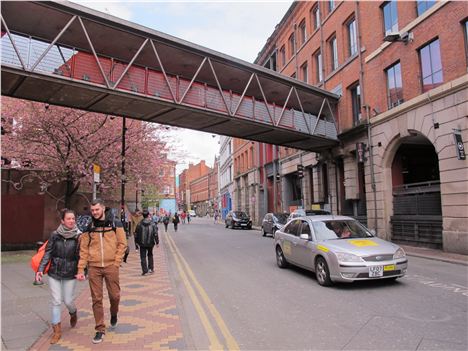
(417, 210)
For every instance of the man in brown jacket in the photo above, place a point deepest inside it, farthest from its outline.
(102, 248)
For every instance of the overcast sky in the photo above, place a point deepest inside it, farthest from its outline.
(239, 29)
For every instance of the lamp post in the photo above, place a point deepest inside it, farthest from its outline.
(122, 173)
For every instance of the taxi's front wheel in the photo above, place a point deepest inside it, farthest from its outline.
(322, 272)
(280, 260)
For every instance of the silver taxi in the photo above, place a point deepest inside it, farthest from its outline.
(338, 249)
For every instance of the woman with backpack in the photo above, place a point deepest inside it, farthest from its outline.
(62, 251)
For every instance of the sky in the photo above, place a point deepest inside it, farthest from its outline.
(239, 29)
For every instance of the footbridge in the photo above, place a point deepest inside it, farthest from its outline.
(69, 55)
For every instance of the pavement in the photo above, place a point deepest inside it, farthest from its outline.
(150, 316)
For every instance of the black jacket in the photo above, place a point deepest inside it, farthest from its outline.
(63, 255)
(146, 234)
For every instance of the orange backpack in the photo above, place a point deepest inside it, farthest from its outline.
(37, 258)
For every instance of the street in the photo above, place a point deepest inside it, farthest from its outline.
(233, 294)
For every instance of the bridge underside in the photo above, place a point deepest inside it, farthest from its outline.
(67, 55)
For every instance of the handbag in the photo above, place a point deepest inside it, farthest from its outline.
(37, 258)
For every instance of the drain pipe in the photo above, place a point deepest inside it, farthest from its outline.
(371, 160)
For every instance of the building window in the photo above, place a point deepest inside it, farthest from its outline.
(390, 15)
(292, 45)
(352, 37)
(331, 6)
(302, 32)
(355, 91)
(315, 18)
(283, 56)
(333, 53)
(394, 86)
(465, 30)
(318, 66)
(271, 62)
(304, 72)
(423, 6)
(431, 66)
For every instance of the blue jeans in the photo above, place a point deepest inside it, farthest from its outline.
(62, 290)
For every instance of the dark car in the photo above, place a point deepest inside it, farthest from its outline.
(238, 219)
(272, 222)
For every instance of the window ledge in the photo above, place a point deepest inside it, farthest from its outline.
(341, 67)
(407, 28)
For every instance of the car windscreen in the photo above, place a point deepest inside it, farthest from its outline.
(281, 218)
(339, 229)
(240, 214)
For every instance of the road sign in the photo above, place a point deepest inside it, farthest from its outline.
(96, 172)
(459, 146)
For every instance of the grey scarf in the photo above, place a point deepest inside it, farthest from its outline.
(68, 233)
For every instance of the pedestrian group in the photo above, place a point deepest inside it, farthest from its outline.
(96, 253)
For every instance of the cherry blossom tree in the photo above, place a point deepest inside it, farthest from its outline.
(67, 142)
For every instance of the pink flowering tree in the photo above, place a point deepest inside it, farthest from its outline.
(66, 142)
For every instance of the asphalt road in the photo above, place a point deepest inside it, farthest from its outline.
(264, 307)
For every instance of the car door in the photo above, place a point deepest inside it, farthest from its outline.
(304, 246)
(293, 238)
(288, 240)
(265, 223)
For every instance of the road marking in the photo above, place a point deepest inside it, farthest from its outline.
(215, 344)
(230, 341)
(432, 282)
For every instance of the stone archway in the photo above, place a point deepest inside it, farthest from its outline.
(413, 192)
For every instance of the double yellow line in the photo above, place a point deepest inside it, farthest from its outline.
(193, 286)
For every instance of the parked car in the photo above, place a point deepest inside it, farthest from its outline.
(338, 249)
(303, 213)
(238, 219)
(192, 213)
(272, 222)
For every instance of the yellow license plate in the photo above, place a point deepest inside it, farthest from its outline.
(390, 267)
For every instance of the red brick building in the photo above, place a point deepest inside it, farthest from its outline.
(245, 160)
(185, 178)
(400, 68)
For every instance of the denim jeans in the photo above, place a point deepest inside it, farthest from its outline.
(62, 290)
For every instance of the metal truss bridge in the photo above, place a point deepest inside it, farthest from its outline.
(66, 54)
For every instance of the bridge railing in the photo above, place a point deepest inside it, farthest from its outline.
(68, 63)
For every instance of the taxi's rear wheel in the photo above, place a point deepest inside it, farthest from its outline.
(280, 260)
(322, 272)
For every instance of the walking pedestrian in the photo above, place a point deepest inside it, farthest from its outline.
(62, 250)
(166, 220)
(175, 221)
(147, 236)
(102, 248)
(126, 227)
(183, 216)
(188, 217)
(136, 218)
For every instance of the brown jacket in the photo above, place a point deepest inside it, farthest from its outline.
(98, 249)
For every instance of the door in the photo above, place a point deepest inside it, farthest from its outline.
(289, 241)
(304, 247)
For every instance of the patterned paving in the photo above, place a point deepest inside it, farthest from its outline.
(148, 316)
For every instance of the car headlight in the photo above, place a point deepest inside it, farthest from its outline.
(348, 257)
(400, 253)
